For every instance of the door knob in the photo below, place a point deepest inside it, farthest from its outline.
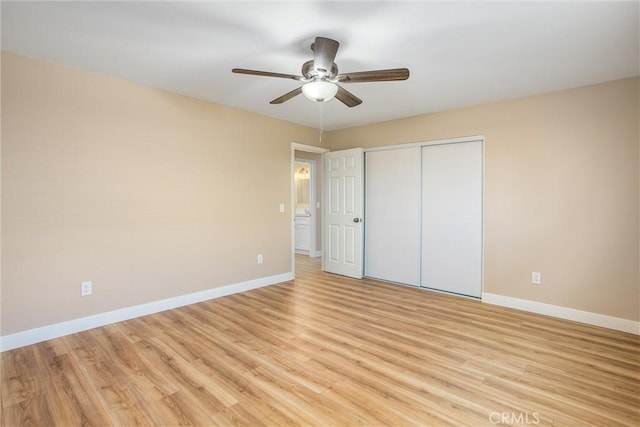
(357, 219)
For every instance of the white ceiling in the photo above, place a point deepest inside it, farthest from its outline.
(459, 53)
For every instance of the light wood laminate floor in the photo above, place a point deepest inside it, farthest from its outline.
(326, 350)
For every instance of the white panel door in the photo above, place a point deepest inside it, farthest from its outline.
(392, 206)
(452, 217)
(343, 201)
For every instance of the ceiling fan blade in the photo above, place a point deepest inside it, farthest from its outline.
(265, 74)
(324, 54)
(347, 98)
(287, 96)
(375, 76)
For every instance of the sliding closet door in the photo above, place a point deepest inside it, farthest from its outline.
(392, 222)
(452, 217)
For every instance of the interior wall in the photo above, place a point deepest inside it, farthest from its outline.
(147, 194)
(561, 191)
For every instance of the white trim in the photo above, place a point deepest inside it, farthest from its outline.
(596, 319)
(308, 148)
(32, 336)
(431, 142)
(482, 212)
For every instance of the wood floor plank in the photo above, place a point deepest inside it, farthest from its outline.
(327, 350)
(68, 400)
(236, 415)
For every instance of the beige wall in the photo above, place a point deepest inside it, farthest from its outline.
(141, 192)
(148, 194)
(561, 191)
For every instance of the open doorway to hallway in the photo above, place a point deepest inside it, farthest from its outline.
(305, 208)
(306, 204)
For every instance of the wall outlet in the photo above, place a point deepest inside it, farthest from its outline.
(536, 278)
(260, 259)
(85, 289)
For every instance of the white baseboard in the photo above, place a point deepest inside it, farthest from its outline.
(32, 336)
(596, 319)
(316, 254)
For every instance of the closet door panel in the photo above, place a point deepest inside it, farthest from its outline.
(452, 217)
(392, 222)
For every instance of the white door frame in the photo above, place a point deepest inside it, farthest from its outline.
(292, 201)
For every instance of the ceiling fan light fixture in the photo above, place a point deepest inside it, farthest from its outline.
(320, 75)
(319, 90)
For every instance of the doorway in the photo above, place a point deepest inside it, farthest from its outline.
(306, 197)
(304, 179)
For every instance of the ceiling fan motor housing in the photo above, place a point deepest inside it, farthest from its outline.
(310, 72)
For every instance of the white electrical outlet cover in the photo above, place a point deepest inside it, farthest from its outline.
(85, 289)
(536, 278)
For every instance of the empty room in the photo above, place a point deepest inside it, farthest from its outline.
(320, 213)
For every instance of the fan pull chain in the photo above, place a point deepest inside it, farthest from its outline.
(321, 126)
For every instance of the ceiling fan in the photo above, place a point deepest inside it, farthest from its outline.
(320, 76)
